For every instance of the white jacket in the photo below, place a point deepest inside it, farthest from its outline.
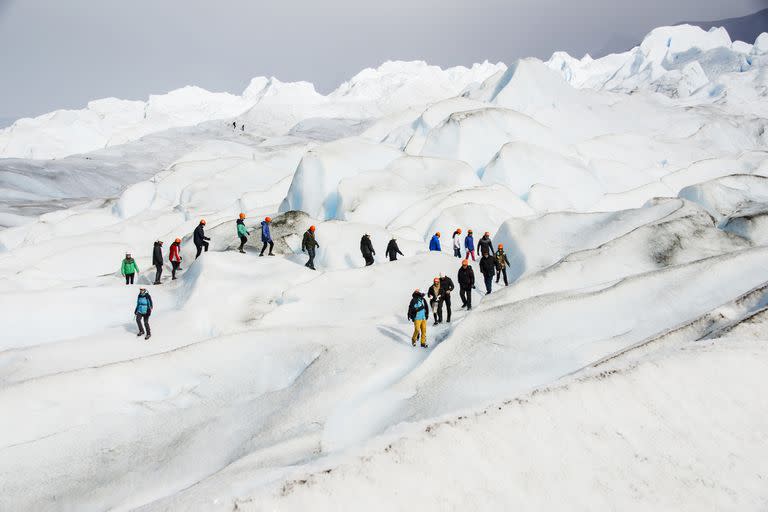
(456, 241)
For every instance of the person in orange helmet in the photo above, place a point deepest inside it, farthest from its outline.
(266, 236)
(434, 244)
(457, 243)
(308, 245)
(199, 238)
(501, 264)
(174, 257)
(242, 232)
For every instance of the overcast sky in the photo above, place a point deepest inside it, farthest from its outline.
(62, 53)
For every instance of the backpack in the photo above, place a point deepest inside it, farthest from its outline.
(412, 307)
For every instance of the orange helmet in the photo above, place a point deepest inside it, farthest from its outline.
(458, 231)
(202, 221)
(438, 233)
(242, 216)
(465, 263)
(487, 234)
(501, 246)
(312, 228)
(436, 280)
(469, 231)
(178, 240)
(268, 219)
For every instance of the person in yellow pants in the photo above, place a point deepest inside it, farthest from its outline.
(418, 312)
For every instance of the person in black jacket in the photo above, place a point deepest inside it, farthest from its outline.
(446, 287)
(157, 260)
(435, 300)
(366, 248)
(393, 250)
(199, 238)
(488, 269)
(485, 245)
(466, 280)
(308, 245)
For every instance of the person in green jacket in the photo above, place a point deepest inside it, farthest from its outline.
(129, 268)
(242, 232)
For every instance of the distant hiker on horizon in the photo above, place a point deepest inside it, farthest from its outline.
(393, 250)
(234, 125)
(308, 245)
(266, 236)
(418, 312)
(501, 264)
(129, 268)
(466, 280)
(199, 238)
(457, 243)
(242, 128)
(142, 312)
(366, 248)
(175, 257)
(157, 260)
(242, 232)
(469, 244)
(434, 244)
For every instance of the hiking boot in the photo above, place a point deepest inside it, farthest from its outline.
(140, 334)
(147, 336)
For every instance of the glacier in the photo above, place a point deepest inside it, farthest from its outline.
(621, 368)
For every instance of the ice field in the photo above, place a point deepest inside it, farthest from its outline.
(622, 368)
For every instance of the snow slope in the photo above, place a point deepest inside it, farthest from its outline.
(628, 192)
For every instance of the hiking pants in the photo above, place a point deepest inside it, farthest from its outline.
(200, 249)
(466, 296)
(145, 316)
(129, 278)
(488, 282)
(243, 239)
(158, 273)
(502, 272)
(419, 327)
(264, 247)
(176, 265)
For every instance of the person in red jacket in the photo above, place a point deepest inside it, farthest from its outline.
(175, 257)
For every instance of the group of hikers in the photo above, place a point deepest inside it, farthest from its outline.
(492, 262)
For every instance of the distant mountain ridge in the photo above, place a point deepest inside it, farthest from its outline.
(745, 28)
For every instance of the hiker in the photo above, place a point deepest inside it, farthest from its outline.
(434, 244)
(242, 128)
(242, 232)
(418, 312)
(366, 248)
(175, 257)
(434, 300)
(129, 268)
(446, 287)
(466, 280)
(142, 312)
(199, 238)
(308, 245)
(457, 243)
(485, 245)
(501, 264)
(488, 269)
(157, 260)
(266, 236)
(469, 244)
(393, 250)
(234, 125)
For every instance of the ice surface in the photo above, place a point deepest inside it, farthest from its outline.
(629, 193)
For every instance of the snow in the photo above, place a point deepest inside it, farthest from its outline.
(629, 193)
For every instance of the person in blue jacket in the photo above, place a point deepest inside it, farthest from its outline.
(266, 236)
(469, 244)
(142, 312)
(434, 244)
